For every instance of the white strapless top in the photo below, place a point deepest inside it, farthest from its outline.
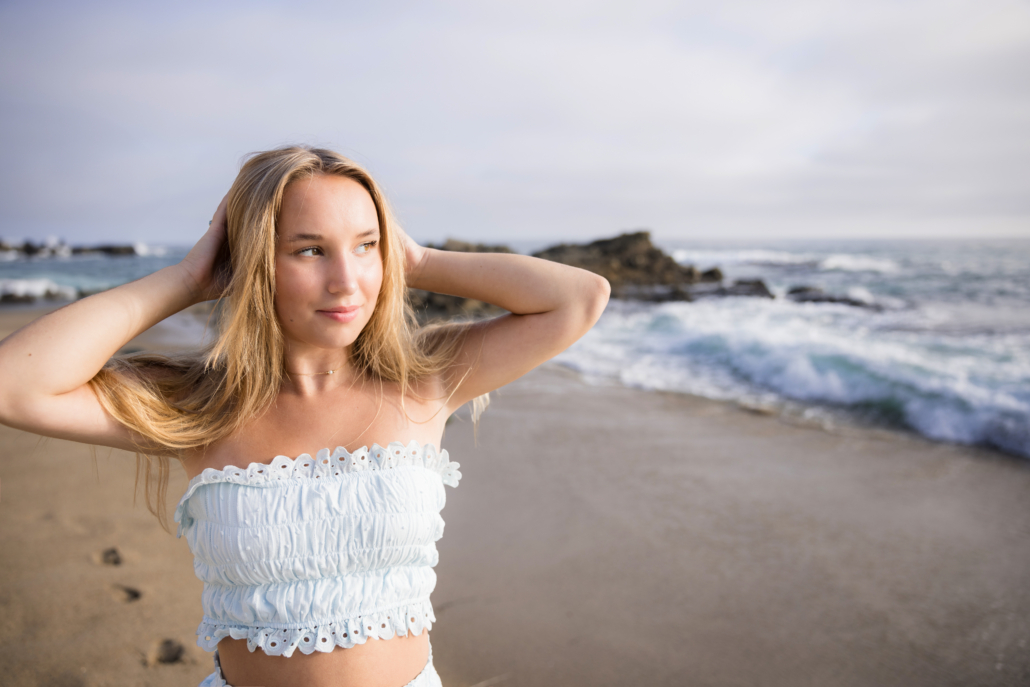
(317, 553)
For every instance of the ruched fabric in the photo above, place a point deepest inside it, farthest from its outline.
(317, 553)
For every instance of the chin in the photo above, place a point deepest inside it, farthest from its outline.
(332, 337)
(332, 342)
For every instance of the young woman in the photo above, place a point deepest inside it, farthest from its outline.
(306, 559)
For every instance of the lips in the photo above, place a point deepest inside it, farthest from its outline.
(341, 314)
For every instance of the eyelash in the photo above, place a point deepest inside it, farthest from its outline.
(370, 244)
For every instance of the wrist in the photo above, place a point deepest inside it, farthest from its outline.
(192, 290)
(417, 267)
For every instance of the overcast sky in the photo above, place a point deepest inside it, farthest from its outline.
(529, 120)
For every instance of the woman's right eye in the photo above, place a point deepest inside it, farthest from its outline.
(309, 251)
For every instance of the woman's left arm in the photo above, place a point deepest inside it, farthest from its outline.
(551, 305)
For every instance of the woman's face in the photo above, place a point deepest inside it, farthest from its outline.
(328, 267)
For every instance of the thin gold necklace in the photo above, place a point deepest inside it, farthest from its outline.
(312, 374)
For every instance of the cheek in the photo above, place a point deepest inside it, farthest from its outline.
(292, 291)
(372, 280)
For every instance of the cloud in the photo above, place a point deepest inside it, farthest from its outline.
(536, 120)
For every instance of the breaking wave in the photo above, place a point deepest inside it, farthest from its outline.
(956, 388)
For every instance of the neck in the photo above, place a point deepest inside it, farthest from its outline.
(317, 369)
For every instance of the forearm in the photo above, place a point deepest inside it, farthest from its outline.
(518, 283)
(64, 349)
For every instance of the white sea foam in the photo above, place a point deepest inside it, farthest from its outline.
(861, 293)
(724, 258)
(844, 262)
(954, 389)
(143, 249)
(36, 288)
(850, 262)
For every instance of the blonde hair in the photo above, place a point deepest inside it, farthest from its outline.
(188, 401)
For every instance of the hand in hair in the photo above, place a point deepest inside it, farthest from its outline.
(414, 254)
(207, 264)
(551, 306)
(46, 368)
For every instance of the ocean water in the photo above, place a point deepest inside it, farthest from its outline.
(945, 352)
(67, 277)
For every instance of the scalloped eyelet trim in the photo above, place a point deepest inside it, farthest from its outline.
(392, 622)
(327, 465)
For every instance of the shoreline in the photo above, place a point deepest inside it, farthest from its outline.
(186, 330)
(601, 535)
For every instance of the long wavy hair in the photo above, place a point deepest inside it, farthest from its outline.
(188, 401)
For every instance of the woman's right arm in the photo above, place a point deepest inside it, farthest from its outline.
(45, 367)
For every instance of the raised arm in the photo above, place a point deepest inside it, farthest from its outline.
(45, 366)
(551, 306)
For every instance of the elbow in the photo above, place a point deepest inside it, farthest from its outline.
(15, 409)
(596, 298)
(582, 308)
(16, 396)
(12, 411)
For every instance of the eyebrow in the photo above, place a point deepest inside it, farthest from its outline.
(318, 237)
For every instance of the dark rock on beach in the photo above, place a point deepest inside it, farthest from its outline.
(106, 249)
(653, 293)
(754, 288)
(714, 274)
(16, 298)
(814, 294)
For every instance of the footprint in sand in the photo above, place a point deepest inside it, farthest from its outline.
(166, 651)
(109, 556)
(125, 594)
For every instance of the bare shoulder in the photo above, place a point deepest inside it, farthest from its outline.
(371, 411)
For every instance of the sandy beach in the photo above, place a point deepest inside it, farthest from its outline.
(600, 536)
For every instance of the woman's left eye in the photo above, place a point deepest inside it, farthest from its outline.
(366, 247)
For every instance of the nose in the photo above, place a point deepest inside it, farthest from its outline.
(343, 275)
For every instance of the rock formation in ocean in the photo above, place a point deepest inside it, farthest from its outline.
(814, 294)
(632, 264)
(626, 260)
(639, 270)
(57, 248)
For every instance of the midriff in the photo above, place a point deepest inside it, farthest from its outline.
(376, 663)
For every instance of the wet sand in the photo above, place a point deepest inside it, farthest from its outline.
(600, 536)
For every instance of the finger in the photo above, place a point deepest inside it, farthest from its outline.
(220, 211)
